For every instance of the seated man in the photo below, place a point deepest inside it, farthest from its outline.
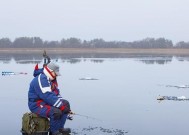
(45, 102)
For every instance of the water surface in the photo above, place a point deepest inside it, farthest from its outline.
(123, 98)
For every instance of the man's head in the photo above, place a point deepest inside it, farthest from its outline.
(52, 70)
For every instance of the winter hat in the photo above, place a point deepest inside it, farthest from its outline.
(48, 70)
(54, 67)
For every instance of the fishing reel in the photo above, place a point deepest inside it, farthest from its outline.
(69, 117)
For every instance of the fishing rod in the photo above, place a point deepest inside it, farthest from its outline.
(88, 117)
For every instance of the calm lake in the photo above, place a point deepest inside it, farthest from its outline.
(121, 100)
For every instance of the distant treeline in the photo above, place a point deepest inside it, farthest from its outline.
(37, 42)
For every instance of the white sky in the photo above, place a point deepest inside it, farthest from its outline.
(120, 20)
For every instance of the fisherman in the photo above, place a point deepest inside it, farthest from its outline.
(54, 84)
(44, 99)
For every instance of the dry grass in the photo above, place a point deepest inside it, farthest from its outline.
(96, 50)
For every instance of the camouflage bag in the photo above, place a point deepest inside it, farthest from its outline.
(32, 123)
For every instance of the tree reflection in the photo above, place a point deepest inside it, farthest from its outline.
(93, 57)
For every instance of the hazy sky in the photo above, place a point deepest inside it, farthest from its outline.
(120, 20)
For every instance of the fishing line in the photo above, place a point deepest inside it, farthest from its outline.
(88, 117)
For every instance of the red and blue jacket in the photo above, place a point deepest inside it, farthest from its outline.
(37, 70)
(54, 84)
(44, 93)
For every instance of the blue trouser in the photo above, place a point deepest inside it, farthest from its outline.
(55, 125)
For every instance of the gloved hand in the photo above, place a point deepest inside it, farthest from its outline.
(57, 113)
(66, 103)
(65, 109)
(69, 117)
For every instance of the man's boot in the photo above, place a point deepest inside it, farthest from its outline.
(57, 133)
(65, 131)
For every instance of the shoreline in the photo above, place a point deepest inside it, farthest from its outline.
(167, 51)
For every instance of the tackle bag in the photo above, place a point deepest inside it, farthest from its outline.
(32, 123)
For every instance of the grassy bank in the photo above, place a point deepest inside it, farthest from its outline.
(95, 50)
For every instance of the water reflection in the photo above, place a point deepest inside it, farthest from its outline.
(182, 58)
(96, 58)
(28, 61)
(72, 61)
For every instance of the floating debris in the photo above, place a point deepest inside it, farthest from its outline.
(4, 73)
(88, 78)
(176, 86)
(99, 130)
(181, 98)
